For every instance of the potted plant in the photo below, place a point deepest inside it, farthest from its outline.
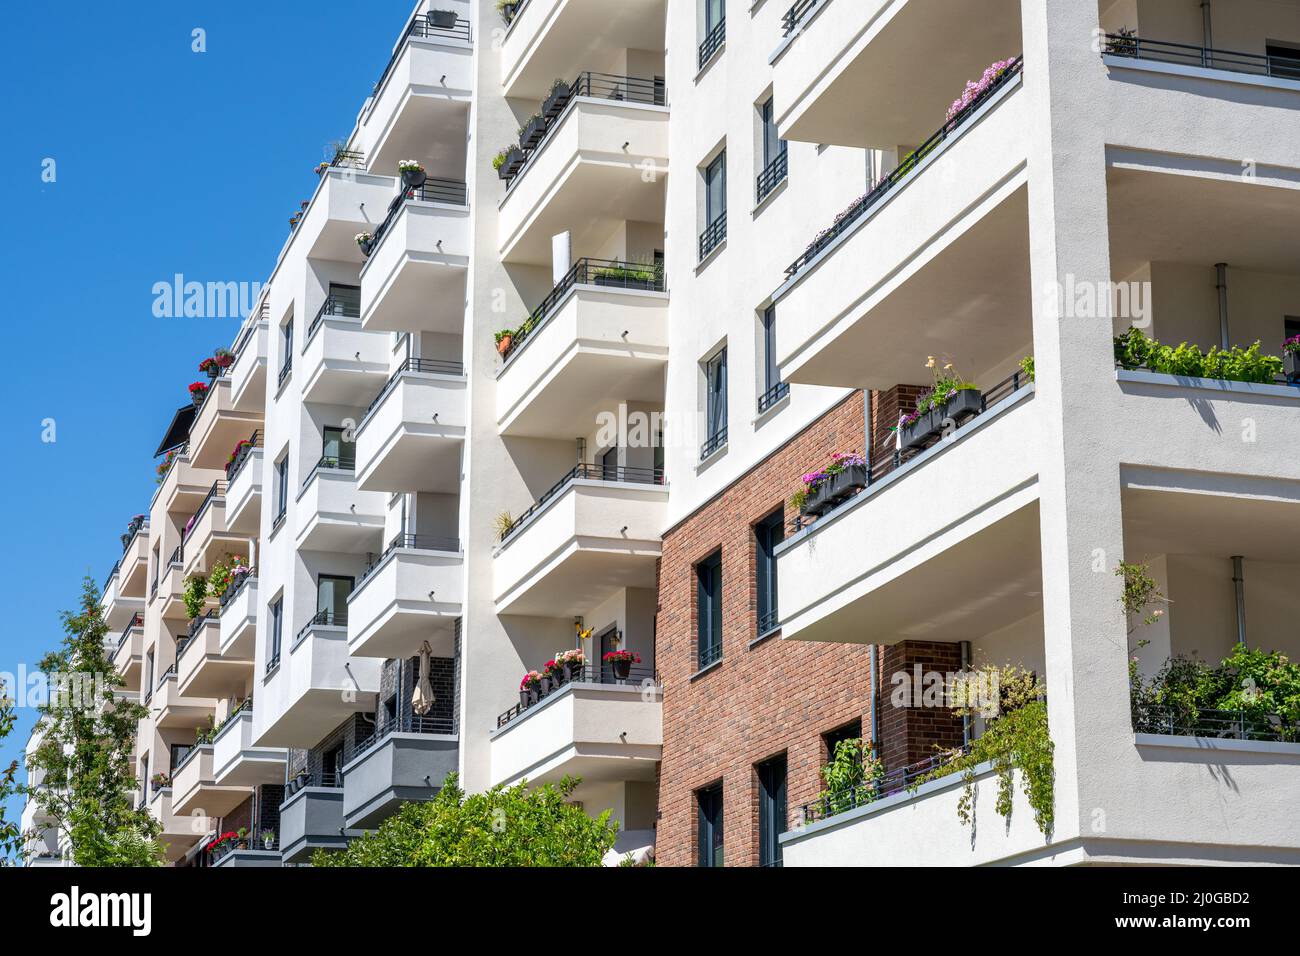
(161, 781)
(210, 367)
(529, 689)
(441, 19)
(950, 400)
(268, 839)
(573, 660)
(412, 172)
(531, 133)
(507, 9)
(224, 358)
(366, 240)
(556, 99)
(503, 524)
(557, 673)
(505, 338)
(824, 489)
(1123, 42)
(620, 662)
(1291, 358)
(512, 164)
(198, 391)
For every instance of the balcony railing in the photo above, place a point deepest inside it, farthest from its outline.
(1163, 51)
(591, 674)
(135, 526)
(237, 584)
(590, 472)
(845, 220)
(791, 19)
(713, 236)
(178, 556)
(344, 303)
(713, 443)
(417, 542)
(137, 620)
(111, 574)
(423, 27)
(327, 779)
(1216, 724)
(712, 43)
(407, 724)
(242, 455)
(218, 490)
(773, 395)
(167, 675)
(773, 175)
(610, 273)
(431, 366)
(450, 191)
(331, 463)
(324, 618)
(285, 369)
(348, 159)
(898, 780)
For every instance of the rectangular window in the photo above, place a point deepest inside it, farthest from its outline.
(344, 300)
(148, 673)
(1283, 61)
(332, 593)
(715, 22)
(276, 611)
(281, 487)
(773, 388)
(1291, 327)
(286, 338)
(708, 632)
(337, 451)
(708, 804)
(715, 205)
(768, 533)
(771, 810)
(773, 145)
(715, 409)
(833, 738)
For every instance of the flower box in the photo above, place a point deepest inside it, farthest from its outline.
(556, 101)
(1291, 362)
(835, 489)
(513, 164)
(964, 404)
(442, 19)
(533, 132)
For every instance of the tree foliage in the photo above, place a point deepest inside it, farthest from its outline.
(10, 838)
(506, 826)
(87, 740)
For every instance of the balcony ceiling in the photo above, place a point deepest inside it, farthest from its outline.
(432, 128)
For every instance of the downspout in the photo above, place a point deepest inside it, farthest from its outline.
(1239, 586)
(1207, 35)
(1221, 285)
(875, 705)
(966, 719)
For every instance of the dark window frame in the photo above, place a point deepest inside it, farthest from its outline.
(773, 808)
(709, 824)
(708, 610)
(768, 533)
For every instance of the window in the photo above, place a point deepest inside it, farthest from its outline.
(1291, 327)
(771, 810)
(281, 489)
(1283, 61)
(768, 533)
(715, 404)
(178, 754)
(286, 342)
(708, 802)
(609, 465)
(775, 161)
(344, 300)
(336, 450)
(708, 633)
(833, 738)
(148, 673)
(331, 765)
(276, 610)
(773, 388)
(332, 593)
(715, 29)
(715, 205)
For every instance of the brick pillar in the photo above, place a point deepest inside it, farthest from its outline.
(914, 731)
(886, 407)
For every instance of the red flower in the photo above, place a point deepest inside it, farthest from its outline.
(630, 656)
(197, 388)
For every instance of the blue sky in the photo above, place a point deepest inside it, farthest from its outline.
(166, 161)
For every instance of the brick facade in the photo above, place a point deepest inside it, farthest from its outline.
(910, 731)
(886, 407)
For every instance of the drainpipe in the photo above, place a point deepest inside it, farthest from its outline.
(1239, 586)
(1221, 284)
(1207, 41)
(966, 720)
(875, 701)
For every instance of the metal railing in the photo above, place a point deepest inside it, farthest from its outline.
(845, 220)
(178, 556)
(218, 490)
(134, 527)
(878, 468)
(416, 542)
(708, 654)
(423, 27)
(168, 674)
(273, 661)
(1217, 724)
(137, 620)
(610, 273)
(196, 625)
(601, 673)
(429, 366)
(451, 191)
(1163, 51)
(284, 371)
(773, 395)
(248, 330)
(237, 584)
(769, 620)
(111, 574)
(327, 617)
(345, 303)
(590, 472)
(773, 175)
(348, 159)
(713, 235)
(898, 780)
(791, 19)
(712, 43)
(326, 779)
(242, 455)
(713, 443)
(407, 724)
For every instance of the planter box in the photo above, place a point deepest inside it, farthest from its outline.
(414, 178)
(554, 104)
(1291, 362)
(442, 19)
(533, 133)
(835, 489)
(962, 407)
(623, 282)
(514, 162)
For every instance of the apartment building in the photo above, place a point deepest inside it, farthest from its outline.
(554, 388)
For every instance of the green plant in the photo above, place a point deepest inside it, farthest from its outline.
(503, 334)
(851, 776)
(219, 576)
(196, 590)
(10, 835)
(499, 159)
(799, 498)
(503, 524)
(1134, 350)
(1027, 367)
(1140, 593)
(535, 118)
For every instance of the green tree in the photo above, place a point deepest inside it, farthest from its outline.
(10, 837)
(88, 735)
(506, 826)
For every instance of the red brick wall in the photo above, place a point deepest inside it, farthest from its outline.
(886, 407)
(775, 697)
(909, 734)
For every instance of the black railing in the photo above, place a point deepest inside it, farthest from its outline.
(242, 455)
(326, 779)
(167, 675)
(451, 191)
(273, 661)
(713, 235)
(1217, 724)
(348, 159)
(407, 724)
(1163, 51)
(345, 303)
(708, 654)
(891, 782)
(197, 624)
(601, 86)
(135, 526)
(791, 19)
(845, 220)
(879, 467)
(416, 542)
(178, 556)
(237, 584)
(424, 28)
(638, 675)
(284, 371)
(773, 175)
(331, 463)
(590, 472)
(713, 443)
(428, 366)
(712, 43)
(773, 395)
(111, 574)
(610, 273)
(769, 620)
(249, 329)
(324, 618)
(137, 620)
(218, 490)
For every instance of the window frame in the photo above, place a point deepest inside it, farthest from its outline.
(768, 533)
(708, 610)
(710, 826)
(773, 779)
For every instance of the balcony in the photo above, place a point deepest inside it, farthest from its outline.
(243, 504)
(218, 426)
(891, 281)
(546, 37)
(343, 364)
(194, 787)
(128, 654)
(596, 727)
(238, 619)
(311, 817)
(133, 569)
(600, 163)
(406, 760)
(594, 533)
(1264, 66)
(344, 204)
(426, 85)
(184, 485)
(846, 72)
(599, 338)
(206, 537)
(414, 588)
(172, 709)
(916, 559)
(333, 514)
(248, 374)
(237, 761)
(414, 277)
(411, 436)
(118, 607)
(171, 586)
(202, 670)
(179, 831)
